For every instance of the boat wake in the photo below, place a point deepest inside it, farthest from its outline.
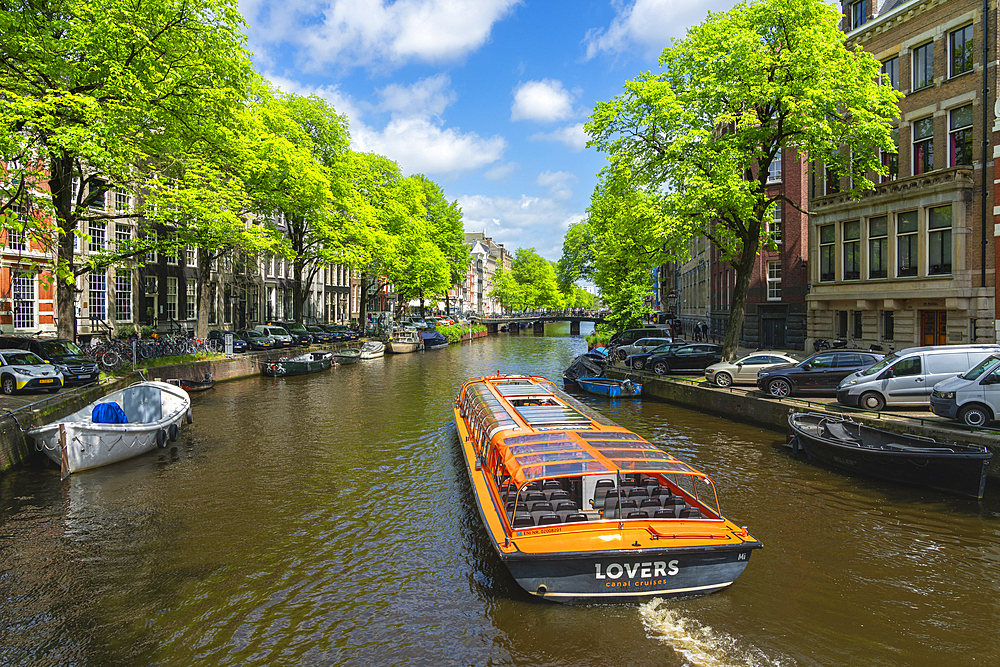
(699, 645)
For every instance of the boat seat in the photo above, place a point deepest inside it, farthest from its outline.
(548, 520)
(605, 484)
(534, 496)
(534, 486)
(552, 485)
(838, 431)
(690, 513)
(618, 509)
(539, 509)
(566, 507)
(637, 514)
(638, 491)
(522, 520)
(649, 502)
(628, 482)
(660, 492)
(675, 501)
(650, 481)
(557, 495)
(521, 507)
(610, 496)
(573, 518)
(666, 513)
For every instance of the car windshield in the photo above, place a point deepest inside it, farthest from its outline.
(881, 365)
(61, 347)
(254, 334)
(294, 327)
(21, 358)
(979, 369)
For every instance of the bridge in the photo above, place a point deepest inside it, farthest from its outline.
(537, 322)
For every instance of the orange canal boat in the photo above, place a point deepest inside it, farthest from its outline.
(582, 510)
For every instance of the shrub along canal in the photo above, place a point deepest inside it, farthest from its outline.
(326, 520)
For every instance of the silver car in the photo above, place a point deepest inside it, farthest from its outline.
(642, 346)
(744, 371)
(20, 370)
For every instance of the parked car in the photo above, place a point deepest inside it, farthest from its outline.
(629, 336)
(694, 357)
(744, 371)
(319, 334)
(340, 332)
(21, 369)
(256, 340)
(973, 398)
(300, 335)
(908, 377)
(640, 360)
(281, 337)
(820, 373)
(239, 345)
(77, 368)
(642, 345)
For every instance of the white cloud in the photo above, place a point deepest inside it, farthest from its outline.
(501, 172)
(374, 32)
(544, 100)
(430, 96)
(341, 102)
(650, 24)
(558, 183)
(421, 145)
(536, 222)
(572, 136)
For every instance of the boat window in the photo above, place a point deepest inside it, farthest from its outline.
(977, 371)
(611, 436)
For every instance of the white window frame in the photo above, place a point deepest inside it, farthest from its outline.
(97, 296)
(23, 299)
(98, 232)
(191, 298)
(123, 296)
(171, 311)
(920, 83)
(774, 169)
(775, 227)
(774, 280)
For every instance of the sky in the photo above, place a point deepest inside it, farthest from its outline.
(486, 97)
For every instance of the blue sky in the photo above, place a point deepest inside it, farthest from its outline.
(485, 97)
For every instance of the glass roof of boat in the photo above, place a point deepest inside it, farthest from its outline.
(521, 389)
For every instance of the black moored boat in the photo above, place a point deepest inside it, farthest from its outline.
(909, 459)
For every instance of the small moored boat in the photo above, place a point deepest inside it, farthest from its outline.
(372, 349)
(310, 362)
(582, 510)
(119, 426)
(198, 385)
(610, 387)
(586, 365)
(346, 356)
(909, 459)
(403, 341)
(433, 339)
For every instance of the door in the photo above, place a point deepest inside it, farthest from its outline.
(907, 384)
(813, 377)
(746, 370)
(772, 333)
(933, 327)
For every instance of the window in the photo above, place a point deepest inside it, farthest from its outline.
(888, 324)
(151, 285)
(878, 247)
(907, 367)
(23, 295)
(827, 252)
(831, 176)
(890, 72)
(123, 234)
(18, 240)
(774, 281)
(123, 297)
(859, 13)
(97, 195)
(857, 321)
(823, 361)
(123, 202)
(890, 159)
(939, 240)
(190, 256)
(97, 231)
(172, 256)
(171, 298)
(852, 250)
(774, 225)
(842, 324)
(923, 66)
(923, 146)
(98, 296)
(960, 135)
(191, 293)
(906, 244)
(960, 51)
(774, 169)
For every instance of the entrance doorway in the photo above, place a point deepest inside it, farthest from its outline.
(933, 327)
(772, 333)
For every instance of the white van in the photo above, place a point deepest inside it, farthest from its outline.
(281, 337)
(907, 377)
(973, 398)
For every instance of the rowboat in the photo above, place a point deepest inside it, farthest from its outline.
(197, 385)
(123, 424)
(586, 365)
(348, 356)
(582, 510)
(310, 362)
(610, 388)
(403, 341)
(909, 459)
(372, 349)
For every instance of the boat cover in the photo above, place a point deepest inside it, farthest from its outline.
(584, 366)
(108, 413)
(433, 337)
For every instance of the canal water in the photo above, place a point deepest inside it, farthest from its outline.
(325, 520)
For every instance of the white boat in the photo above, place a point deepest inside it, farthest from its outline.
(405, 341)
(372, 349)
(154, 412)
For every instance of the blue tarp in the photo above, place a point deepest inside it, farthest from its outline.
(108, 413)
(433, 336)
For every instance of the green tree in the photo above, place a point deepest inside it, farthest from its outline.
(700, 135)
(506, 290)
(536, 279)
(94, 88)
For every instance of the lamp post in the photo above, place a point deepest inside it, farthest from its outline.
(672, 313)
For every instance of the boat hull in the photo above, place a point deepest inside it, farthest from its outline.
(197, 385)
(609, 388)
(962, 473)
(345, 357)
(289, 368)
(397, 347)
(372, 351)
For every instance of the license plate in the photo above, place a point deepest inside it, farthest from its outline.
(45, 381)
(82, 377)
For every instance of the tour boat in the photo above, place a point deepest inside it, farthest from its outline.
(582, 510)
(610, 387)
(123, 424)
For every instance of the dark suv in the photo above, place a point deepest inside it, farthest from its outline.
(300, 335)
(77, 368)
(694, 357)
(820, 373)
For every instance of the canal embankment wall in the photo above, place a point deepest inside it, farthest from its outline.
(753, 407)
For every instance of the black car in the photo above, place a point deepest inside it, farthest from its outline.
(320, 335)
(77, 368)
(820, 373)
(255, 340)
(300, 335)
(340, 332)
(691, 357)
(239, 345)
(640, 360)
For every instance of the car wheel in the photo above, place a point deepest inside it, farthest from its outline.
(8, 385)
(723, 379)
(780, 388)
(622, 354)
(661, 368)
(872, 401)
(975, 415)
(637, 364)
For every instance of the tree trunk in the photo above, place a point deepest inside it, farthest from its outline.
(298, 290)
(363, 303)
(204, 297)
(60, 185)
(744, 271)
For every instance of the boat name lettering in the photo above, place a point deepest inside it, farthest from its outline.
(644, 570)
